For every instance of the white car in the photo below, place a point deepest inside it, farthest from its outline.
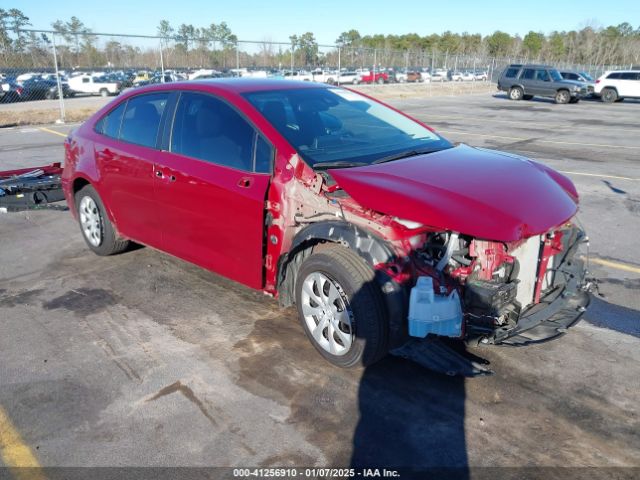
(467, 76)
(440, 75)
(617, 85)
(298, 75)
(325, 76)
(93, 85)
(349, 78)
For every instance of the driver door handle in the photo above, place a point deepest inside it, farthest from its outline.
(245, 182)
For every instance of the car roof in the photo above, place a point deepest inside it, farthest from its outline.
(236, 85)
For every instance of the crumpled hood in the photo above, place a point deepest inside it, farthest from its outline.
(478, 192)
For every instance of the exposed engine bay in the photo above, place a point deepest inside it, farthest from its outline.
(501, 284)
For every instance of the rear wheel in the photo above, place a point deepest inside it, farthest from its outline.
(104, 92)
(97, 230)
(609, 95)
(380, 81)
(516, 93)
(341, 308)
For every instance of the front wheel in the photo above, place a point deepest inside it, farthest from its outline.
(97, 230)
(341, 308)
(562, 96)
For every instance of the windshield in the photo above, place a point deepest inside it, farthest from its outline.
(555, 74)
(327, 125)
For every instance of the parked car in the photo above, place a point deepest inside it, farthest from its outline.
(94, 85)
(282, 186)
(526, 81)
(10, 91)
(440, 75)
(408, 76)
(39, 89)
(348, 77)
(325, 76)
(456, 76)
(467, 76)
(581, 77)
(300, 75)
(482, 75)
(617, 85)
(371, 77)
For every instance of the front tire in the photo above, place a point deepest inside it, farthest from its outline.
(562, 97)
(340, 307)
(96, 228)
(104, 92)
(516, 93)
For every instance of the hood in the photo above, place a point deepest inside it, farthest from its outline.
(478, 192)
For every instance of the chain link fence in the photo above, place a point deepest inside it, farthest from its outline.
(64, 66)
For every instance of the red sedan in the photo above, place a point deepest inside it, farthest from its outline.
(373, 225)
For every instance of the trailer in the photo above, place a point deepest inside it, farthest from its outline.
(32, 189)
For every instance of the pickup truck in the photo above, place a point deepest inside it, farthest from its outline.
(370, 77)
(94, 85)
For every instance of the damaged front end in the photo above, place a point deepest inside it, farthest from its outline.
(511, 293)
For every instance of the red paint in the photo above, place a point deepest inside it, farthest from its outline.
(481, 193)
(214, 216)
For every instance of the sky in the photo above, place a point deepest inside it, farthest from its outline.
(275, 20)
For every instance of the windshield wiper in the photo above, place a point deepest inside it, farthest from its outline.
(337, 164)
(406, 154)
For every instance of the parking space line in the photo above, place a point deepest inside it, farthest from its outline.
(48, 130)
(614, 177)
(513, 122)
(15, 454)
(615, 265)
(523, 139)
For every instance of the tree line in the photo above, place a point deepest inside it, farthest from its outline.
(216, 46)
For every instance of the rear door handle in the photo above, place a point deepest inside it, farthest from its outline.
(245, 182)
(170, 178)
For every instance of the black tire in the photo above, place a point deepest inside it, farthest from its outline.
(562, 97)
(516, 93)
(104, 92)
(380, 81)
(609, 95)
(527, 97)
(360, 292)
(110, 242)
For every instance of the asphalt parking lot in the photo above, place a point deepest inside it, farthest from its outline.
(144, 360)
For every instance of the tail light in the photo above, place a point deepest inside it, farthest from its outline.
(19, 90)
(598, 81)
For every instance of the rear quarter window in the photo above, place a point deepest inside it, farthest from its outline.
(511, 72)
(109, 125)
(614, 76)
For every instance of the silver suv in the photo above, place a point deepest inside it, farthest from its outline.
(526, 81)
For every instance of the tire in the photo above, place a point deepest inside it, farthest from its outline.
(609, 95)
(355, 82)
(527, 97)
(516, 93)
(341, 273)
(96, 228)
(562, 97)
(380, 81)
(104, 92)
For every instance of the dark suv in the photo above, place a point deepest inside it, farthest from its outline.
(526, 81)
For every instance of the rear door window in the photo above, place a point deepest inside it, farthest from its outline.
(528, 74)
(142, 118)
(614, 76)
(629, 76)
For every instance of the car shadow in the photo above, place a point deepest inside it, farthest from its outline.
(411, 419)
(614, 317)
